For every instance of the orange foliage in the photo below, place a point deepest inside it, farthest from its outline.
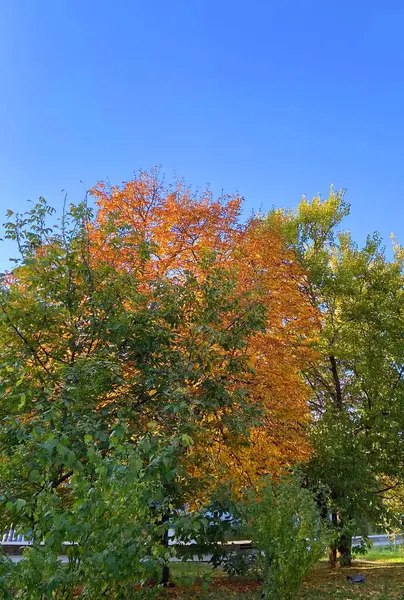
(179, 226)
(180, 229)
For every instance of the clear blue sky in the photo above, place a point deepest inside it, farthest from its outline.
(272, 99)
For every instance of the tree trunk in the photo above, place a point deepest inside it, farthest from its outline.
(332, 556)
(332, 548)
(165, 575)
(345, 550)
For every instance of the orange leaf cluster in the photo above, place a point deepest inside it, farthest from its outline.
(167, 231)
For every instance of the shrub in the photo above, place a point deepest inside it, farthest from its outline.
(287, 532)
(235, 562)
(110, 517)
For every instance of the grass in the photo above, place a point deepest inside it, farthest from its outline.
(383, 569)
(383, 554)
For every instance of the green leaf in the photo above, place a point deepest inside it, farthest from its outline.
(187, 440)
(62, 450)
(113, 441)
(19, 505)
(22, 402)
(34, 476)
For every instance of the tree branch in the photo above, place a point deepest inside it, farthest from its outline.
(57, 482)
(338, 391)
(390, 487)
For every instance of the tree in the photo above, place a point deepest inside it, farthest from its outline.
(182, 333)
(357, 385)
(181, 229)
(87, 350)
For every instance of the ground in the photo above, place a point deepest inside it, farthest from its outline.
(383, 569)
(383, 581)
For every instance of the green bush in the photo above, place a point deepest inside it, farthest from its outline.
(112, 514)
(287, 533)
(235, 562)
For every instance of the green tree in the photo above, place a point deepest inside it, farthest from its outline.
(357, 384)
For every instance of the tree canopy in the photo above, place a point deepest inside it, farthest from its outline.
(159, 313)
(357, 381)
(157, 349)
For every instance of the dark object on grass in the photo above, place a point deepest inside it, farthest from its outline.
(356, 578)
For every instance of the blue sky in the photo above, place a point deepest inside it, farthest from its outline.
(270, 99)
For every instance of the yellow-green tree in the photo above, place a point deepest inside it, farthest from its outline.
(357, 383)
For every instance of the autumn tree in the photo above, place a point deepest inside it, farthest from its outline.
(181, 229)
(357, 385)
(157, 334)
